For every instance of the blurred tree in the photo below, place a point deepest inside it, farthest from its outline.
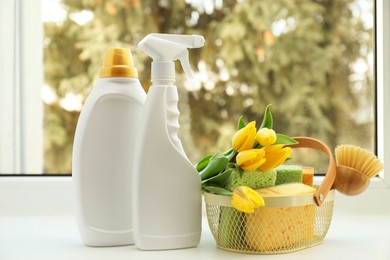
(295, 54)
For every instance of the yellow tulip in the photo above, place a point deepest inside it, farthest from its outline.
(245, 137)
(251, 159)
(266, 136)
(275, 155)
(246, 199)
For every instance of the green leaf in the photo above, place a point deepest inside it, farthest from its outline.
(217, 190)
(220, 179)
(284, 139)
(230, 153)
(203, 163)
(217, 163)
(241, 123)
(218, 154)
(267, 119)
(239, 171)
(231, 165)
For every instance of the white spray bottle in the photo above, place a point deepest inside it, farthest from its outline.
(166, 186)
(102, 153)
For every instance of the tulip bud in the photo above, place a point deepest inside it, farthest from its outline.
(251, 159)
(266, 136)
(275, 155)
(245, 137)
(246, 199)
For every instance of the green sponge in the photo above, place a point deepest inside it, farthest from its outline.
(231, 228)
(255, 179)
(288, 174)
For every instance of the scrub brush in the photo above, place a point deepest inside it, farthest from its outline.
(355, 167)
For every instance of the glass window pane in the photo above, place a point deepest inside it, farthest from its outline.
(312, 60)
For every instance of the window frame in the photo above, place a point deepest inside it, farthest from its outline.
(21, 107)
(53, 195)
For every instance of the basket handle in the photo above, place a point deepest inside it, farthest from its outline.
(308, 142)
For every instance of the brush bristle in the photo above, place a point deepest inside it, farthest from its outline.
(358, 159)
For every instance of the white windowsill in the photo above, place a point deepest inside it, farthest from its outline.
(56, 237)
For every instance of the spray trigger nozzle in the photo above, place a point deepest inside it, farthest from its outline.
(183, 57)
(166, 48)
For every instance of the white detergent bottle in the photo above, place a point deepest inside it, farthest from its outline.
(102, 153)
(166, 187)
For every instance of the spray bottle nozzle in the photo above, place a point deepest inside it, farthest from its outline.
(164, 49)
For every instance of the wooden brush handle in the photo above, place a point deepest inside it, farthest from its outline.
(308, 142)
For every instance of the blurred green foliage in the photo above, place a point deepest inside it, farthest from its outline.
(294, 54)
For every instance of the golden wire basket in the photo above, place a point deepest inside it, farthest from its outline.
(285, 224)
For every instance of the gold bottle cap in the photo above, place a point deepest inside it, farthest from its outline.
(118, 62)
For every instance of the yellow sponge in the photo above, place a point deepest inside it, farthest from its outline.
(269, 229)
(288, 189)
